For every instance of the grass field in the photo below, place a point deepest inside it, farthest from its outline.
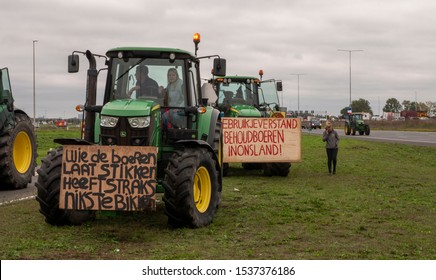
(380, 205)
(46, 135)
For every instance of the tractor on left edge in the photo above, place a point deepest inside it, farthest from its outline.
(17, 140)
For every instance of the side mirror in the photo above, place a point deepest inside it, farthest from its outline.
(279, 86)
(219, 67)
(73, 63)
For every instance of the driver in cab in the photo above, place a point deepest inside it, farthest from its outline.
(145, 86)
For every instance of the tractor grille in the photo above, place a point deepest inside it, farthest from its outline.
(124, 135)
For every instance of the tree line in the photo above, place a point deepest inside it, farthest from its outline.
(393, 105)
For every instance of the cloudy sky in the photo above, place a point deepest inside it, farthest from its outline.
(398, 39)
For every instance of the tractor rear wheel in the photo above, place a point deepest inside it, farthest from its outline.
(48, 187)
(18, 154)
(191, 188)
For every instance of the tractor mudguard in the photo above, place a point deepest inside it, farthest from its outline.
(201, 143)
(213, 124)
(197, 143)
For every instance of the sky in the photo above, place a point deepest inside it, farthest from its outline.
(283, 38)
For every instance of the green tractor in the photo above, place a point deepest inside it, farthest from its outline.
(17, 140)
(249, 97)
(355, 123)
(187, 134)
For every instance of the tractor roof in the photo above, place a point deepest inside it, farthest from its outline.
(237, 78)
(148, 52)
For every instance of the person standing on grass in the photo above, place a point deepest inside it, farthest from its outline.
(331, 137)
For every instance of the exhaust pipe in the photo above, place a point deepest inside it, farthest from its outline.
(91, 97)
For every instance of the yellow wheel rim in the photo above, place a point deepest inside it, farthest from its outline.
(22, 152)
(202, 189)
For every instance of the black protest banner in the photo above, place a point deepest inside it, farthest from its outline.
(108, 178)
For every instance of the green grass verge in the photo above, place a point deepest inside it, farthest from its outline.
(45, 136)
(380, 205)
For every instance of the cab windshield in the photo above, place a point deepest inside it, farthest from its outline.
(237, 93)
(155, 79)
(358, 117)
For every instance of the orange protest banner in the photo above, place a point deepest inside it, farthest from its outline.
(261, 139)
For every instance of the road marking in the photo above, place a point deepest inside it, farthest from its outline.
(399, 139)
(16, 200)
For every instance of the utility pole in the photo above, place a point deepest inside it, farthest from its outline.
(34, 96)
(349, 53)
(298, 90)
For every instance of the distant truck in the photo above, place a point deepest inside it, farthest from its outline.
(61, 123)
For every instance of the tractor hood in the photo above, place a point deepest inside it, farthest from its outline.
(129, 107)
(245, 111)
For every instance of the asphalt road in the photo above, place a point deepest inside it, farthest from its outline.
(403, 137)
(8, 196)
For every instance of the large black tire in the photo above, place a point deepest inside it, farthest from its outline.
(367, 130)
(276, 168)
(18, 154)
(252, 165)
(347, 129)
(225, 168)
(191, 188)
(48, 187)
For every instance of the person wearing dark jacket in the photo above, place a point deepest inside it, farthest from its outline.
(331, 137)
(145, 86)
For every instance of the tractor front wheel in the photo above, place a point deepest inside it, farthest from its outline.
(48, 186)
(347, 129)
(367, 130)
(191, 188)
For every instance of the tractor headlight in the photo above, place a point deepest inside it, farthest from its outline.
(108, 121)
(139, 122)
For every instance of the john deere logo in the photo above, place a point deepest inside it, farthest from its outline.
(123, 133)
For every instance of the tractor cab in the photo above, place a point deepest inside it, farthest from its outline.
(150, 92)
(270, 103)
(6, 100)
(238, 96)
(247, 96)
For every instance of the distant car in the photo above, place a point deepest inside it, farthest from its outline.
(315, 123)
